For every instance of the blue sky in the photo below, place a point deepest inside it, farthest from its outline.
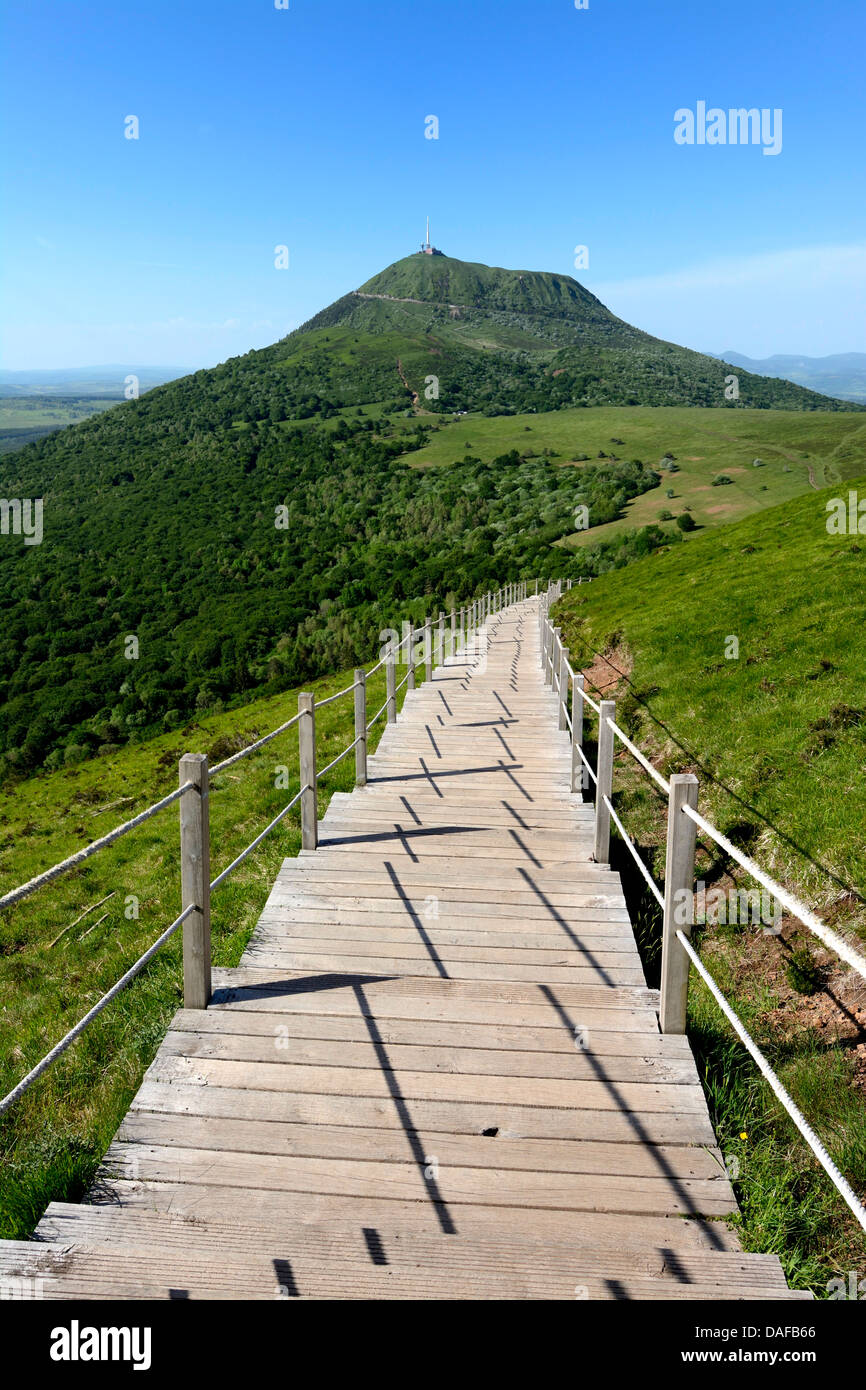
(305, 127)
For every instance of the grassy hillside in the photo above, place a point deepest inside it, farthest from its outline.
(777, 738)
(52, 1140)
(797, 452)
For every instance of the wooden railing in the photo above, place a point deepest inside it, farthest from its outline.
(676, 897)
(193, 793)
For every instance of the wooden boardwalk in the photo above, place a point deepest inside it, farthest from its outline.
(437, 1072)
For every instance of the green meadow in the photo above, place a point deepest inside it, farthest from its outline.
(798, 452)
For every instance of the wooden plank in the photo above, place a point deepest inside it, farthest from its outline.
(176, 1095)
(409, 1181)
(492, 1035)
(639, 1098)
(663, 1162)
(481, 1061)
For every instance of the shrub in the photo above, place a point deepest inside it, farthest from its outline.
(803, 974)
(686, 522)
(721, 480)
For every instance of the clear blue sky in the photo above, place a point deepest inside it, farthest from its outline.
(305, 127)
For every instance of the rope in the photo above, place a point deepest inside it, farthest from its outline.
(339, 695)
(339, 758)
(379, 712)
(79, 1028)
(644, 762)
(586, 763)
(778, 1089)
(626, 838)
(258, 840)
(79, 857)
(251, 748)
(830, 938)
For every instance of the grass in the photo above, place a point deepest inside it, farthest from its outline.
(776, 735)
(826, 446)
(26, 418)
(52, 1139)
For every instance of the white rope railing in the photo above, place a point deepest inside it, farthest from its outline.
(257, 841)
(320, 704)
(680, 855)
(627, 841)
(79, 857)
(587, 764)
(251, 747)
(644, 762)
(806, 1130)
(378, 715)
(79, 1028)
(824, 933)
(339, 758)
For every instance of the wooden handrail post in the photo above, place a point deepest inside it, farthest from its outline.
(604, 773)
(578, 771)
(428, 649)
(563, 688)
(453, 631)
(195, 880)
(307, 750)
(360, 728)
(441, 639)
(555, 667)
(410, 664)
(391, 686)
(679, 910)
(548, 652)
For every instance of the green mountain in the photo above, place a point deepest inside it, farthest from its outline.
(254, 525)
(506, 341)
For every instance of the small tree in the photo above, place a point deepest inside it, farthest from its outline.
(686, 522)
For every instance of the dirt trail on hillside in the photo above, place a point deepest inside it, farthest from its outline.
(415, 397)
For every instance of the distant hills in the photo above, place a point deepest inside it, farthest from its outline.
(83, 381)
(842, 374)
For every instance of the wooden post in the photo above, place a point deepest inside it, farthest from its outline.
(410, 663)
(548, 652)
(578, 777)
(195, 880)
(441, 638)
(453, 631)
(307, 748)
(428, 649)
(555, 668)
(679, 908)
(604, 772)
(563, 688)
(361, 728)
(391, 686)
